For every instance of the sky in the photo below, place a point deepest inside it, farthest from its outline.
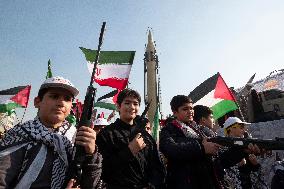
(194, 40)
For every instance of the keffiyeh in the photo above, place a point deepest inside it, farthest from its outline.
(33, 133)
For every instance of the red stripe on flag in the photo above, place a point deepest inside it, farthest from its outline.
(222, 91)
(114, 99)
(22, 97)
(113, 82)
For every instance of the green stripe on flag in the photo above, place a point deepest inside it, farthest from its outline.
(115, 57)
(156, 125)
(8, 107)
(105, 105)
(223, 107)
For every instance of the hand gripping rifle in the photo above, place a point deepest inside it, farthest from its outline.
(86, 119)
(141, 122)
(268, 144)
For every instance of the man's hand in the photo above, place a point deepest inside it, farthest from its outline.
(136, 144)
(252, 149)
(252, 159)
(72, 184)
(242, 163)
(210, 147)
(86, 137)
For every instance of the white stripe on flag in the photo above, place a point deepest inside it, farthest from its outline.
(106, 71)
(107, 100)
(5, 99)
(208, 100)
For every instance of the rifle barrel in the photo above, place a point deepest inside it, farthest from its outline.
(98, 52)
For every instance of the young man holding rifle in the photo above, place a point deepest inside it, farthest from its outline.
(38, 153)
(130, 155)
(192, 160)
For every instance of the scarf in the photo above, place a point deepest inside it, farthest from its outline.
(188, 130)
(33, 133)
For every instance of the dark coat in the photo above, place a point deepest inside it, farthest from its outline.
(188, 165)
(121, 169)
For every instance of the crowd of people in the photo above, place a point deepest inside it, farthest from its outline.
(123, 155)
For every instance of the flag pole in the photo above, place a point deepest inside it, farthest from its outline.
(23, 115)
(233, 95)
(17, 117)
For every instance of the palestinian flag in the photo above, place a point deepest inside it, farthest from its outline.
(215, 94)
(107, 101)
(113, 67)
(17, 97)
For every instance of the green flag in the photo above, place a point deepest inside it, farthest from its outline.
(156, 125)
(71, 119)
(49, 73)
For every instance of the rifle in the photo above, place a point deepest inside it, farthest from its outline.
(268, 144)
(141, 122)
(86, 119)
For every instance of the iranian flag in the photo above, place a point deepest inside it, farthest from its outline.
(215, 94)
(107, 101)
(113, 67)
(17, 97)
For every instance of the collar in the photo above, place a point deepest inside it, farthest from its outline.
(124, 125)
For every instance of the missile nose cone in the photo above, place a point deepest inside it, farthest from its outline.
(150, 45)
(150, 39)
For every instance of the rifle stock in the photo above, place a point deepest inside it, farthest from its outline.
(268, 144)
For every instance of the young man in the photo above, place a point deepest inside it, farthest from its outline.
(247, 173)
(37, 153)
(234, 127)
(189, 154)
(131, 158)
(203, 116)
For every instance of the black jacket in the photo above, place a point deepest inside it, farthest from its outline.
(120, 168)
(188, 165)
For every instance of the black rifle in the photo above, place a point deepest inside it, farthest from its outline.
(85, 120)
(141, 122)
(268, 144)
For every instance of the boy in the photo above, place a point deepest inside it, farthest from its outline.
(203, 116)
(247, 173)
(99, 124)
(234, 127)
(131, 158)
(37, 153)
(189, 154)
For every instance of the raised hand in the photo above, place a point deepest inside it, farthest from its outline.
(86, 137)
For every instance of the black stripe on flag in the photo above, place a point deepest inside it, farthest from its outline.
(12, 91)
(204, 88)
(108, 95)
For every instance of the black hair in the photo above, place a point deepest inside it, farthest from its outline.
(128, 93)
(41, 93)
(201, 111)
(178, 101)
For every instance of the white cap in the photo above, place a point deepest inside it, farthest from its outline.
(101, 121)
(60, 82)
(232, 120)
